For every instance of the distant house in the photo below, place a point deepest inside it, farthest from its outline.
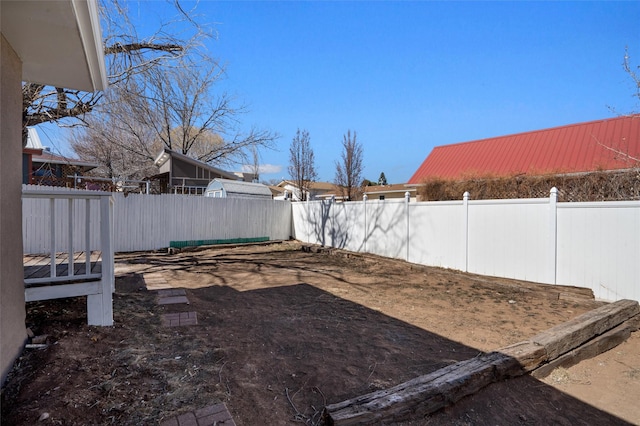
(180, 174)
(316, 191)
(225, 188)
(609, 144)
(40, 166)
(388, 192)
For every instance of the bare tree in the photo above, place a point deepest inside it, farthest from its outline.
(633, 72)
(171, 104)
(302, 169)
(128, 55)
(123, 145)
(349, 169)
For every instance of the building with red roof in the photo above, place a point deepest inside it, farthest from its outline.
(610, 144)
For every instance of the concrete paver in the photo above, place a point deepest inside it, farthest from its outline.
(179, 318)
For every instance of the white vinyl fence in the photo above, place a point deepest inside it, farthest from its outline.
(150, 222)
(594, 245)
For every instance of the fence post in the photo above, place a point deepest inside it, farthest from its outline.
(366, 236)
(465, 206)
(553, 235)
(407, 198)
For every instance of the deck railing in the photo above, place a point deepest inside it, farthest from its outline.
(69, 213)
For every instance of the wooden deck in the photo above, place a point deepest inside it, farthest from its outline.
(37, 268)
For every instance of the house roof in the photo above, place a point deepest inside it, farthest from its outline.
(609, 144)
(166, 153)
(318, 186)
(388, 189)
(233, 187)
(59, 42)
(41, 154)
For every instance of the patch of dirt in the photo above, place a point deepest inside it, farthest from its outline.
(282, 332)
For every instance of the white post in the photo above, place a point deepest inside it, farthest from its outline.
(87, 236)
(333, 219)
(52, 224)
(407, 198)
(465, 231)
(366, 236)
(308, 220)
(100, 306)
(71, 222)
(553, 235)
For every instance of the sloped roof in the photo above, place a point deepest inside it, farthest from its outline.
(238, 187)
(43, 155)
(609, 144)
(318, 186)
(388, 189)
(167, 153)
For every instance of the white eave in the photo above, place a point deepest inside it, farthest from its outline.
(58, 41)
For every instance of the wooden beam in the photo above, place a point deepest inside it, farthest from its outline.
(571, 334)
(431, 392)
(590, 349)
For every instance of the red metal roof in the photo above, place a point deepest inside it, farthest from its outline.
(608, 144)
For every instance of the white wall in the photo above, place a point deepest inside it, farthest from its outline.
(594, 245)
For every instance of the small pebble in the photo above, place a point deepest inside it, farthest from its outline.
(511, 302)
(43, 416)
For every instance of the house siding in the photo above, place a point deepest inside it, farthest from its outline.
(12, 305)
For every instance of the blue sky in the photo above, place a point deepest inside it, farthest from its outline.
(408, 76)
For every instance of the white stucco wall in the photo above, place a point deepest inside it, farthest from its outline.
(12, 305)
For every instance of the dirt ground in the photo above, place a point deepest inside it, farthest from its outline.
(282, 332)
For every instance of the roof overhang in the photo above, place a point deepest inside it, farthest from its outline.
(58, 41)
(166, 154)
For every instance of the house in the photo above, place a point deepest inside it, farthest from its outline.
(40, 166)
(56, 43)
(225, 188)
(316, 191)
(181, 174)
(387, 192)
(609, 144)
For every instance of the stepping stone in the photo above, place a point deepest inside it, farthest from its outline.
(179, 318)
(172, 300)
(172, 292)
(213, 415)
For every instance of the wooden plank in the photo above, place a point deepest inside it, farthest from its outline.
(421, 395)
(428, 393)
(529, 356)
(573, 333)
(592, 348)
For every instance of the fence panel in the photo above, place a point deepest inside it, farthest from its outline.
(438, 234)
(149, 222)
(599, 248)
(510, 239)
(387, 228)
(348, 227)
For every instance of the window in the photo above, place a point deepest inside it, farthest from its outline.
(381, 197)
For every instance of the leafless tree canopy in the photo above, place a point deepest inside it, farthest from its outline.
(634, 73)
(302, 169)
(349, 168)
(127, 54)
(163, 94)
